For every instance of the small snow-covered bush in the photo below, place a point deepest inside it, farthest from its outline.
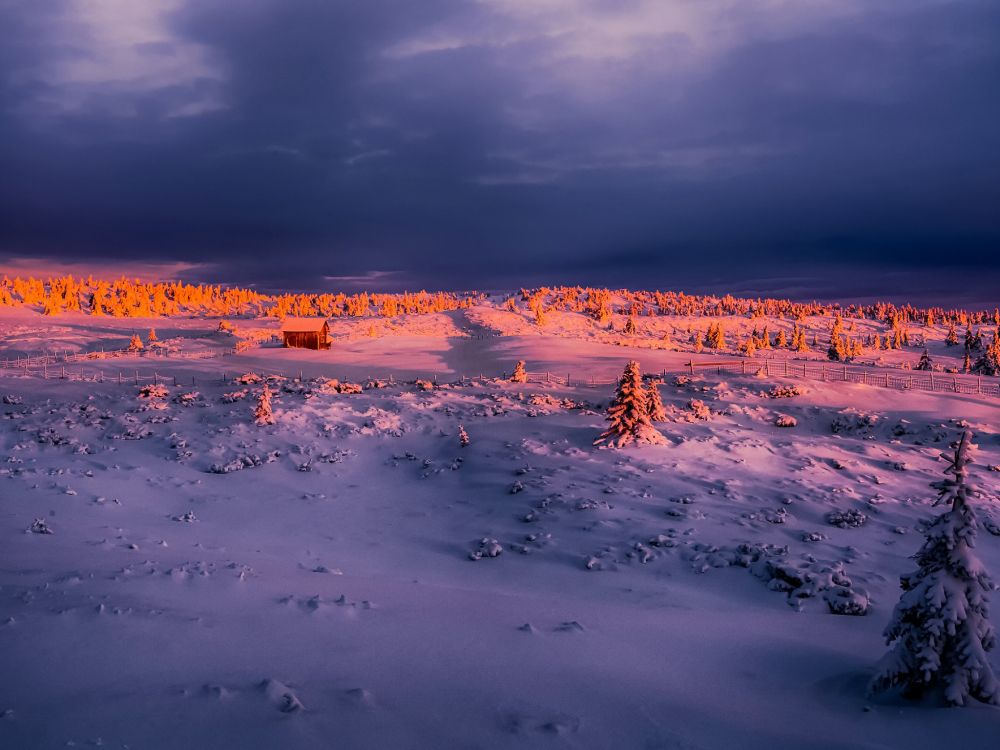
(424, 385)
(843, 600)
(852, 420)
(234, 396)
(246, 461)
(249, 378)
(153, 391)
(488, 547)
(787, 391)
(784, 420)
(187, 399)
(697, 410)
(846, 519)
(38, 526)
(11, 399)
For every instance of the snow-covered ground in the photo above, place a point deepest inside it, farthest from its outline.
(353, 577)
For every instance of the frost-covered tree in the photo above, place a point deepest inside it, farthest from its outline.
(628, 415)
(630, 326)
(135, 345)
(654, 403)
(263, 413)
(925, 362)
(952, 338)
(940, 631)
(989, 362)
(519, 376)
(463, 437)
(152, 335)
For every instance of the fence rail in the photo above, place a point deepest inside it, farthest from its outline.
(44, 361)
(55, 368)
(828, 372)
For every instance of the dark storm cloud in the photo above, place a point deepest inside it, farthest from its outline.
(506, 141)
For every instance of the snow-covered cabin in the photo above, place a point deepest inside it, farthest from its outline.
(306, 333)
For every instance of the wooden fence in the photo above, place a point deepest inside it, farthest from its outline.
(45, 362)
(919, 380)
(49, 368)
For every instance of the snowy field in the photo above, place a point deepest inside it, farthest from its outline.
(353, 577)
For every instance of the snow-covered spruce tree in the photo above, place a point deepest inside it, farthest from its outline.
(519, 376)
(952, 338)
(628, 415)
(463, 437)
(135, 345)
(152, 335)
(940, 628)
(654, 403)
(630, 326)
(925, 362)
(989, 362)
(263, 414)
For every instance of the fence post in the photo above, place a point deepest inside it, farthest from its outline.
(767, 367)
(137, 377)
(119, 377)
(743, 366)
(64, 372)
(824, 373)
(845, 373)
(932, 380)
(567, 379)
(786, 368)
(979, 385)
(691, 363)
(154, 378)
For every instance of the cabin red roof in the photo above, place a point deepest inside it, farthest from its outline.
(302, 325)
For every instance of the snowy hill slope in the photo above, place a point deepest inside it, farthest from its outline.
(209, 582)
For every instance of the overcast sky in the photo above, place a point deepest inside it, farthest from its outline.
(752, 144)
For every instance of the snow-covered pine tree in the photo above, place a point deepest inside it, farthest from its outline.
(967, 362)
(989, 362)
(925, 362)
(630, 326)
(519, 376)
(152, 335)
(463, 437)
(654, 403)
(699, 342)
(628, 415)
(263, 414)
(135, 345)
(952, 338)
(940, 630)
